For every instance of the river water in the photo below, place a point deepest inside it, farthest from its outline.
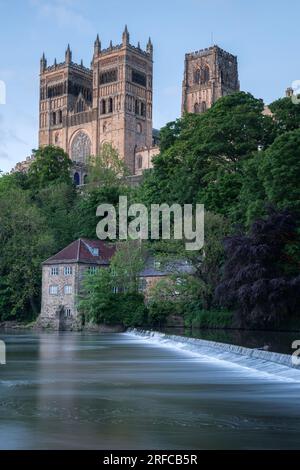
(120, 391)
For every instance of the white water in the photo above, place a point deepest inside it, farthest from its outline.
(264, 363)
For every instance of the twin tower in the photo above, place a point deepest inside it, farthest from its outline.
(83, 108)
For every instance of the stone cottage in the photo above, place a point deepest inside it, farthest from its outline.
(62, 281)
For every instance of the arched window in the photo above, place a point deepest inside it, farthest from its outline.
(140, 162)
(103, 107)
(143, 109)
(76, 179)
(205, 74)
(60, 116)
(85, 179)
(81, 147)
(54, 119)
(139, 128)
(110, 105)
(203, 106)
(137, 107)
(197, 76)
(80, 106)
(196, 108)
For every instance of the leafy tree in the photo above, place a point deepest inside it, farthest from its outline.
(51, 164)
(279, 171)
(286, 114)
(106, 168)
(261, 283)
(126, 265)
(25, 241)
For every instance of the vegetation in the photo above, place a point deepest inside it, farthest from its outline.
(242, 164)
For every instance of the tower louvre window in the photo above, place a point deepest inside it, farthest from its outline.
(139, 78)
(109, 76)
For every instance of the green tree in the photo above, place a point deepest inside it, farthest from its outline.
(286, 114)
(51, 164)
(106, 169)
(279, 171)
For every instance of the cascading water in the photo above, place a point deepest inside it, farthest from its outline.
(279, 365)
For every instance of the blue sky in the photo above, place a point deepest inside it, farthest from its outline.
(263, 34)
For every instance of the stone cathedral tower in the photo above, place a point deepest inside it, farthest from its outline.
(82, 108)
(209, 74)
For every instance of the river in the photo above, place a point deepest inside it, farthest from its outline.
(120, 391)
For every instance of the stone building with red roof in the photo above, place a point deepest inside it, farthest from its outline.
(62, 281)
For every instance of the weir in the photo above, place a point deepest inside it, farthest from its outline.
(279, 365)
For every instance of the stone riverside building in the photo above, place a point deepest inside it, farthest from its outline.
(63, 274)
(209, 74)
(82, 108)
(62, 281)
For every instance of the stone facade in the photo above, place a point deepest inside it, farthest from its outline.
(62, 280)
(82, 108)
(209, 74)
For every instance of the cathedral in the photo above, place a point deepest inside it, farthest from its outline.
(82, 108)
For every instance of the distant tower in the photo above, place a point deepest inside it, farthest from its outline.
(209, 74)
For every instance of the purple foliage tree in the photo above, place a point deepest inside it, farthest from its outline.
(261, 282)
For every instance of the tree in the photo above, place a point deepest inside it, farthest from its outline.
(203, 157)
(286, 114)
(126, 265)
(279, 171)
(25, 241)
(51, 164)
(106, 168)
(261, 282)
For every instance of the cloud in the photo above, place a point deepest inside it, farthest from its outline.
(64, 13)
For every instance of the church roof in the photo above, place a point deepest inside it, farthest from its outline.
(84, 250)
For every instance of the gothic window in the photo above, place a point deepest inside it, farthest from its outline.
(196, 108)
(109, 76)
(56, 138)
(143, 109)
(203, 106)
(54, 119)
(81, 147)
(103, 107)
(139, 78)
(197, 76)
(60, 116)
(80, 106)
(76, 179)
(205, 75)
(140, 162)
(139, 128)
(137, 107)
(110, 105)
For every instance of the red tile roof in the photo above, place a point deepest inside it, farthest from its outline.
(81, 251)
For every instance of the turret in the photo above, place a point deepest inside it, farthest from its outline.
(43, 63)
(68, 55)
(97, 46)
(125, 37)
(150, 47)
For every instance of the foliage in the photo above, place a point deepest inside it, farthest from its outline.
(51, 164)
(286, 115)
(126, 265)
(261, 283)
(106, 168)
